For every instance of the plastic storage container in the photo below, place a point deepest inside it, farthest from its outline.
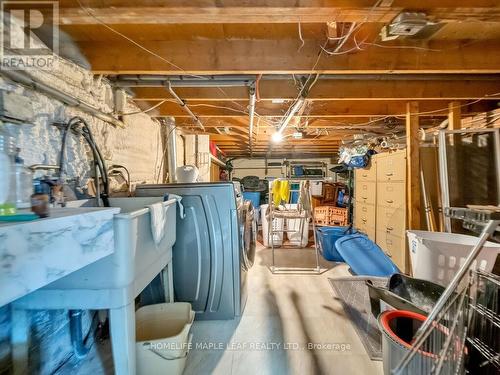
(253, 196)
(326, 237)
(437, 256)
(277, 225)
(162, 338)
(364, 256)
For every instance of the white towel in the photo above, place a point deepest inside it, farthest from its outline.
(158, 220)
(178, 198)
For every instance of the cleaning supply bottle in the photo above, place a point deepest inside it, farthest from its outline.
(40, 199)
(24, 183)
(7, 173)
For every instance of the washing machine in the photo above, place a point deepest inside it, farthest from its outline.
(214, 249)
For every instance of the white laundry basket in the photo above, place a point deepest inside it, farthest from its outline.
(297, 239)
(162, 338)
(437, 256)
(277, 225)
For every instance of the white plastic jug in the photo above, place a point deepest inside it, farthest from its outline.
(187, 173)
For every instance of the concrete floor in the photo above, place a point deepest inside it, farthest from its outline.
(292, 310)
(283, 317)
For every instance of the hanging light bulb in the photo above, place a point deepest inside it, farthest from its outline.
(277, 137)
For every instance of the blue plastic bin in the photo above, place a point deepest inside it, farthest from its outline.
(364, 256)
(327, 236)
(253, 196)
(295, 197)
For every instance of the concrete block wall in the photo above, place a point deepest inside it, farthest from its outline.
(139, 147)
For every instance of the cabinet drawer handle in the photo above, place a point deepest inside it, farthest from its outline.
(388, 254)
(365, 175)
(363, 220)
(389, 201)
(389, 228)
(389, 174)
(364, 198)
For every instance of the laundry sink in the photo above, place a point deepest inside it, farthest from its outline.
(115, 281)
(36, 253)
(137, 258)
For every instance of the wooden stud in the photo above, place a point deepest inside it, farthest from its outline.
(412, 165)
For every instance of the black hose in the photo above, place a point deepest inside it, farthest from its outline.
(96, 153)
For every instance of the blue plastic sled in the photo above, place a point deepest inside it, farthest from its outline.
(364, 256)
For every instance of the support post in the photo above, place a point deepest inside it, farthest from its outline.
(412, 166)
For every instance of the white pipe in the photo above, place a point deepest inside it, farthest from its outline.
(25, 79)
(251, 114)
(183, 104)
(171, 149)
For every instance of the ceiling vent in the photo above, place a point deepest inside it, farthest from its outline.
(405, 24)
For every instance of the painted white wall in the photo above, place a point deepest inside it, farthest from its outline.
(138, 146)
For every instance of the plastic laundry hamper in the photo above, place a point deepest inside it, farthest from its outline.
(297, 239)
(162, 338)
(277, 225)
(437, 256)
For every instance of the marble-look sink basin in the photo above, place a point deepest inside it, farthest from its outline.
(36, 253)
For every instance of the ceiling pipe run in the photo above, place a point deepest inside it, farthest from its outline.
(23, 78)
(251, 114)
(183, 104)
(248, 80)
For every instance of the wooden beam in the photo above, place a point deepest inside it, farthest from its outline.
(330, 89)
(454, 116)
(412, 165)
(307, 12)
(325, 109)
(281, 57)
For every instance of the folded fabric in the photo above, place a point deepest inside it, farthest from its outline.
(158, 213)
(178, 198)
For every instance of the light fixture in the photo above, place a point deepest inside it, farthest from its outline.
(277, 137)
(293, 110)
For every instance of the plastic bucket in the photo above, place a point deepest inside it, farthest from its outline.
(277, 225)
(253, 196)
(162, 338)
(437, 256)
(398, 332)
(326, 237)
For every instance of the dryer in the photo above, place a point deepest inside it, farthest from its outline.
(215, 247)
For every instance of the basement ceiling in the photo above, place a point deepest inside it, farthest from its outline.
(359, 83)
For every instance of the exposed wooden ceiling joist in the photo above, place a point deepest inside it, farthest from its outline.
(281, 57)
(324, 109)
(270, 12)
(337, 90)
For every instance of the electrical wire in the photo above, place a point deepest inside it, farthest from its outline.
(300, 37)
(150, 108)
(88, 11)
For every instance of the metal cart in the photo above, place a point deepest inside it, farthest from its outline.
(302, 212)
(466, 319)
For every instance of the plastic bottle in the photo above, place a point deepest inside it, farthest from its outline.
(7, 173)
(24, 183)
